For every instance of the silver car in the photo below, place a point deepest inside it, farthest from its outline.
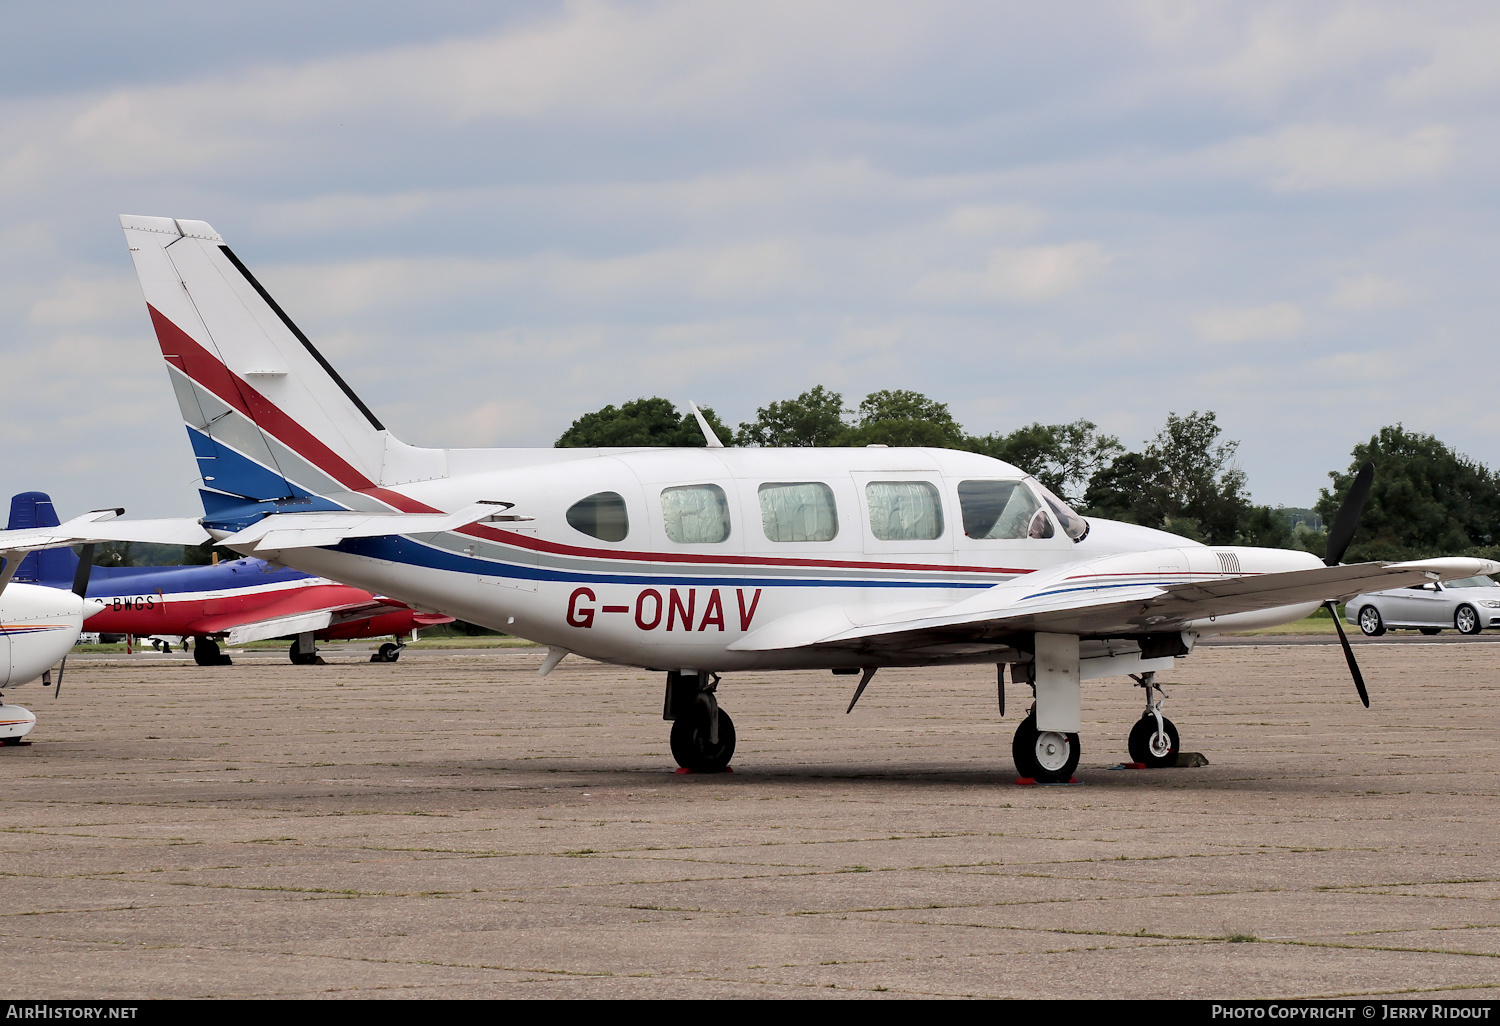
(1468, 606)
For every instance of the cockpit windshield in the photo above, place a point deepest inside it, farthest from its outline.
(1073, 525)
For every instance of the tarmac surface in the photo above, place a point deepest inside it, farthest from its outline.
(453, 826)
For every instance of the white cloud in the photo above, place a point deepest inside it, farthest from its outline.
(1028, 274)
(1228, 325)
(1299, 158)
(1368, 292)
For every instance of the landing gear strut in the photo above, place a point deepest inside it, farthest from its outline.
(702, 733)
(1153, 739)
(206, 653)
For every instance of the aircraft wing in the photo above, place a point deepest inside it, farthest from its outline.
(289, 616)
(1095, 609)
(101, 525)
(312, 530)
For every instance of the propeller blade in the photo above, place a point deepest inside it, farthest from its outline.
(1359, 679)
(60, 670)
(1347, 520)
(81, 575)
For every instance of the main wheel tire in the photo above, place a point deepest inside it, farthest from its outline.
(1430, 630)
(389, 653)
(1466, 620)
(691, 747)
(302, 658)
(1370, 622)
(1140, 744)
(1048, 757)
(206, 653)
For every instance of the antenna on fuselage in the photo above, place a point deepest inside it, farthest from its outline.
(708, 432)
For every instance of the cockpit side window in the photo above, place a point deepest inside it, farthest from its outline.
(601, 515)
(1001, 509)
(1073, 525)
(695, 514)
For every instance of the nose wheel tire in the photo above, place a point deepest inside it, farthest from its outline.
(1046, 756)
(692, 747)
(1466, 620)
(1148, 747)
(1370, 622)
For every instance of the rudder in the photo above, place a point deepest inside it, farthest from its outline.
(271, 422)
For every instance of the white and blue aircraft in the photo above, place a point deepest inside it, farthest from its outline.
(40, 625)
(700, 562)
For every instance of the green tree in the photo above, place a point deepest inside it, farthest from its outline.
(1064, 457)
(1426, 500)
(1265, 527)
(1184, 481)
(816, 417)
(902, 417)
(653, 421)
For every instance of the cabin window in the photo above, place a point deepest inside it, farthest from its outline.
(801, 512)
(1001, 509)
(904, 510)
(695, 514)
(601, 515)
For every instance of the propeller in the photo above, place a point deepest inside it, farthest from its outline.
(80, 588)
(1339, 537)
(81, 575)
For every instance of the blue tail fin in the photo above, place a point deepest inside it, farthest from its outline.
(53, 567)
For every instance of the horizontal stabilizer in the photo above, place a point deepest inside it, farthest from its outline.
(314, 530)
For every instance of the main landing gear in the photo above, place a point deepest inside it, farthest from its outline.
(1153, 740)
(702, 733)
(304, 651)
(206, 653)
(1046, 756)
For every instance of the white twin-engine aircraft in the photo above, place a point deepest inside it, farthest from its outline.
(698, 562)
(39, 625)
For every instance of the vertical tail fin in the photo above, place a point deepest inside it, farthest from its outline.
(271, 421)
(53, 567)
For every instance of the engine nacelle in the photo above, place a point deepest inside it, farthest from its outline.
(38, 626)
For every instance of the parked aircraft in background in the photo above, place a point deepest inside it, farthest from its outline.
(235, 602)
(39, 625)
(697, 562)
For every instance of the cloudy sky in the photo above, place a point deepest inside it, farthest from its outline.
(495, 218)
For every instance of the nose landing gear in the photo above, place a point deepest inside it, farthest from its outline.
(1153, 740)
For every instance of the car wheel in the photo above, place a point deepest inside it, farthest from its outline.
(1466, 620)
(1370, 622)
